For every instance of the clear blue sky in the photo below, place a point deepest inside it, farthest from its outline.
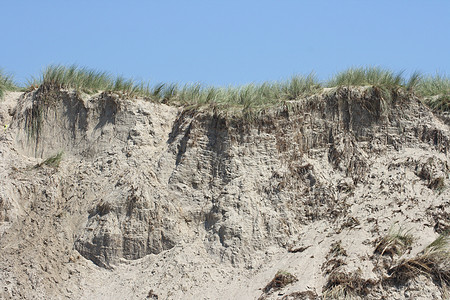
(224, 42)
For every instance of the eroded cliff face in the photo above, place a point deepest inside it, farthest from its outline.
(156, 201)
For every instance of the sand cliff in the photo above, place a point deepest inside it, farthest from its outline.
(161, 202)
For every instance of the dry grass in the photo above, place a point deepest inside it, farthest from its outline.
(281, 279)
(337, 250)
(103, 208)
(396, 242)
(305, 295)
(341, 285)
(433, 261)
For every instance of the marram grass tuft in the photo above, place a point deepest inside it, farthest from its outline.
(6, 83)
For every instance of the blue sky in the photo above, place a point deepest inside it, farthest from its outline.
(224, 42)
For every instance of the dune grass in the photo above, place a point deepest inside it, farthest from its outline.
(434, 85)
(6, 83)
(435, 89)
(396, 242)
(433, 261)
(88, 80)
(366, 76)
(248, 96)
(386, 80)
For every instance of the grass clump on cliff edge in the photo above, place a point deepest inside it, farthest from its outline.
(387, 81)
(367, 76)
(88, 81)
(6, 83)
(436, 91)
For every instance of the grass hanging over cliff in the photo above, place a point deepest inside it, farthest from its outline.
(6, 83)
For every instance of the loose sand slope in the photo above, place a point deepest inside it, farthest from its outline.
(151, 201)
